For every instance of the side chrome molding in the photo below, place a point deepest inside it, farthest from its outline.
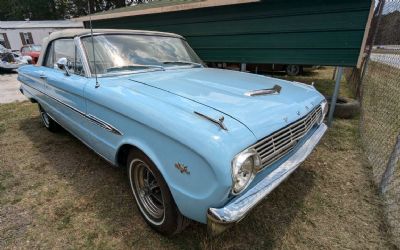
(90, 117)
(219, 122)
(103, 124)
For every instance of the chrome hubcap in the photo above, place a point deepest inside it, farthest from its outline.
(45, 118)
(147, 191)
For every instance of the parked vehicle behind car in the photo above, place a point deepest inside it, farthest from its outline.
(289, 69)
(198, 143)
(10, 60)
(31, 50)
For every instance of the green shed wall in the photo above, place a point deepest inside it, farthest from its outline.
(313, 32)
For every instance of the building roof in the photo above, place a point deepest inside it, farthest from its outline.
(40, 24)
(161, 6)
(82, 32)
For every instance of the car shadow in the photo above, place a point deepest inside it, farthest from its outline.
(103, 190)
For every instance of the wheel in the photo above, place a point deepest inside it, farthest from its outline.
(293, 70)
(152, 195)
(345, 108)
(48, 122)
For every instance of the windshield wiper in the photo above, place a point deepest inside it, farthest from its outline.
(133, 67)
(184, 63)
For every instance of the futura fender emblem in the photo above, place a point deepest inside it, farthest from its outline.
(182, 168)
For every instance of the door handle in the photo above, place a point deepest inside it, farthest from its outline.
(42, 75)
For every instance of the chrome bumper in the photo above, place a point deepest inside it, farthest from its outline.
(218, 219)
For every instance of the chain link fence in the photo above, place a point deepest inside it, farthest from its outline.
(379, 93)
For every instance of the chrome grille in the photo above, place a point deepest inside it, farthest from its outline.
(281, 142)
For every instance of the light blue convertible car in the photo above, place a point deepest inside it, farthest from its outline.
(198, 143)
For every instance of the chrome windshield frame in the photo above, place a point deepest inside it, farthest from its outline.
(79, 46)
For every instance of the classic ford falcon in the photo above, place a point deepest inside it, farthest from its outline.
(198, 143)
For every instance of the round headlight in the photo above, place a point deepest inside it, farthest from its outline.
(324, 109)
(244, 167)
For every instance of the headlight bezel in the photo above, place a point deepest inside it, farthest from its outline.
(324, 111)
(237, 165)
(240, 159)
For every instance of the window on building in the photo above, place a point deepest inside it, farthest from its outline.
(26, 38)
(4, 41)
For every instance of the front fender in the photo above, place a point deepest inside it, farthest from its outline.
(193, 192)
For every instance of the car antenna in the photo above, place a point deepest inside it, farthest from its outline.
(94, 55)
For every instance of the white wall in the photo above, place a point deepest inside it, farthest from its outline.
(38, 34)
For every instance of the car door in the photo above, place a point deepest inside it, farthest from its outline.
(65, 90)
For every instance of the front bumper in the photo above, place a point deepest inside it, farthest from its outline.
(218, 219)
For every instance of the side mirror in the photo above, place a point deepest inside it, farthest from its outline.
(63, 64)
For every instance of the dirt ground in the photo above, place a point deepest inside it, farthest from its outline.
(56, 193)
(9, 88)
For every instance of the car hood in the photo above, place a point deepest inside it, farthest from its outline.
(224, 91)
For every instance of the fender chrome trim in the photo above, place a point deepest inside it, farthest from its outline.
(103, 124)
(219, 122)
(218, 219)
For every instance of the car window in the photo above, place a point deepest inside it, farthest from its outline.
(125, 52)
(65, 48)
(49, 59)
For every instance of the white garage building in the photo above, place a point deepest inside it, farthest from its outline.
(14, 34)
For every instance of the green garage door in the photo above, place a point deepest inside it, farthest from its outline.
(313, 32)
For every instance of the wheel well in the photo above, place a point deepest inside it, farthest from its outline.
(122, 153)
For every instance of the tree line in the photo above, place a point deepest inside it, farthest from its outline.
(17, 10)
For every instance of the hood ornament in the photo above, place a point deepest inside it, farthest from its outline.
(272, 91)
(219, 122)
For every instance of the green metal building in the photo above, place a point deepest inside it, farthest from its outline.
(309, 32)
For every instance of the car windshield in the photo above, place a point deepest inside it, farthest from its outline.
(36, 47)
(126, 53)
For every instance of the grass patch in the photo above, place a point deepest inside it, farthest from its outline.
(322, 79)
(2, 127)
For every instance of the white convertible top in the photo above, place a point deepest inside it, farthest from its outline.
(71, 33)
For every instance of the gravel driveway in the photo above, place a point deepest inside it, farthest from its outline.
(389, 59)
(9, 88)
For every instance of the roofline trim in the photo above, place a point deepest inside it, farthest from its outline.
(136, 32)
(163, 9)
